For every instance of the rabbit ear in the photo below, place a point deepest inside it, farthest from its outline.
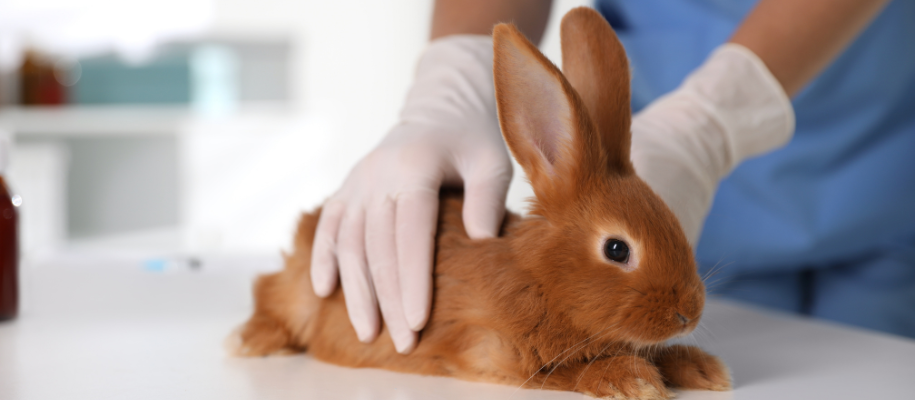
(594, 61)
(542, 119)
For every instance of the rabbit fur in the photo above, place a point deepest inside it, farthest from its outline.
(540, 305)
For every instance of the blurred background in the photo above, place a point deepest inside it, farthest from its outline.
(172, 129)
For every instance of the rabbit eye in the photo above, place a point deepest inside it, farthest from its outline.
(616, 250)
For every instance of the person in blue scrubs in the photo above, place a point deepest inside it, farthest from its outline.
(824, 226)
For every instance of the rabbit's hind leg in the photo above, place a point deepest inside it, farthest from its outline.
(284, 304)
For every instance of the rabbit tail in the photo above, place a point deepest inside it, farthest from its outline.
(284, 303)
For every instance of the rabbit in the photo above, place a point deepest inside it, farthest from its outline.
(579, 296)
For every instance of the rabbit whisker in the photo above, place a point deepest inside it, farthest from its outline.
(557, 356)
(718, 268)
(582, 375)
(710, 270)
(567, 357)
(707, 331)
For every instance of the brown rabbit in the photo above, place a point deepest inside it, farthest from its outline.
(579, 296)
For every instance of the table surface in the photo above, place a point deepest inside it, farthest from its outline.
(118, 329)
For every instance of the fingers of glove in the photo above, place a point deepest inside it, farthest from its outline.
(355, 276)
(674, 165)
(323, 256)
(484, 203)
(382, 259)
(417, 213)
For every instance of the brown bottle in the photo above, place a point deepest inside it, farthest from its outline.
(9, 245)
(38, 86)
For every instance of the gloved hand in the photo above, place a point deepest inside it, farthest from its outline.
(729, 109)
(378, 230)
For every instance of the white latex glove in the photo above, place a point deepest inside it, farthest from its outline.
(378, 230)
(729, 109)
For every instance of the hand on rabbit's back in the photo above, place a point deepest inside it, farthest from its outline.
(579, 296)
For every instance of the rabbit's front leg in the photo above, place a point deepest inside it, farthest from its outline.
(620, 377)
(689, 367)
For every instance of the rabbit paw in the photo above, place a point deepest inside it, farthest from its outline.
(624, 378)
(689, 367)
(260, 337)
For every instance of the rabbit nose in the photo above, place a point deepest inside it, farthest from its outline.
(683, 320)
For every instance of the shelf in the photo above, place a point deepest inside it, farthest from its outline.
(127, 120)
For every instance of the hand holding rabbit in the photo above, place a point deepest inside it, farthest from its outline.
(579, 296)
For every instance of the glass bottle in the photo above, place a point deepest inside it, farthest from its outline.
(9, 243)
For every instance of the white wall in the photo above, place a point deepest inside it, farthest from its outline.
(352, 66)
(245, 178)
(354, 59)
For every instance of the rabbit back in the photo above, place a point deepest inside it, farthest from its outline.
(463, 337)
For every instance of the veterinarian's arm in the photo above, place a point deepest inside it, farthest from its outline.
(736, 105)
(477, 17)
(798, 39)
(377, 232)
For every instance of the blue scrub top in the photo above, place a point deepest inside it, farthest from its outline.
(839, 199)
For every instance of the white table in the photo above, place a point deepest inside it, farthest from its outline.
(110, 329)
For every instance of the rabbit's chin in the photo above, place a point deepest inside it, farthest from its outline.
(640, 338)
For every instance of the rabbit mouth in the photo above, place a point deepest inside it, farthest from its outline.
(660, 325)
(686, 329)
(645, 340)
